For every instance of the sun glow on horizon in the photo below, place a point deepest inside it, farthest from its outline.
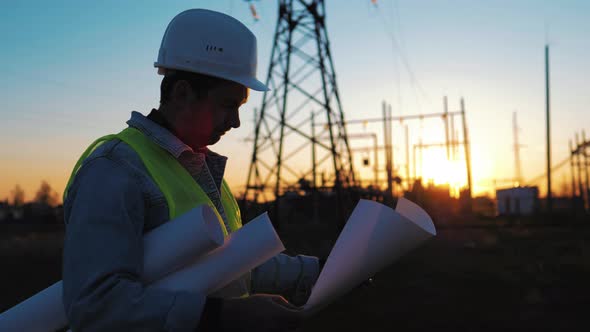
(436, 168)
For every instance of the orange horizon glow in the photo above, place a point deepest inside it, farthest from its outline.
(441, 171)
(438, 171)
(451, 173)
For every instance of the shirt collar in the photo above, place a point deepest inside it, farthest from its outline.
(160, 135)
(169, 142)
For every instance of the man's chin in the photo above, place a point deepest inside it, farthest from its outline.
(214, 139)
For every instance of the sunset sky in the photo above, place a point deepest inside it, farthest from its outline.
(74, 71)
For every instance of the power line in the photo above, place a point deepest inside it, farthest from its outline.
(402, 55)
(554, 168)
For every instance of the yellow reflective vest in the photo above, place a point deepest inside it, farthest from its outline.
(181, 191)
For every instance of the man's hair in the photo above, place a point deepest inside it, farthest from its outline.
(200, 83)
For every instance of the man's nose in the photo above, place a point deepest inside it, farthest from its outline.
(235, 119)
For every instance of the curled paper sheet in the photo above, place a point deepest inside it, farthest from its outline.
(373, 237)
(250, 246)
(166, 249)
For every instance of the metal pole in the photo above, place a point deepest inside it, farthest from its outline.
(579, 164)
(254, 160)
(319, 23)
(517, 169)
(547, 106)
(313, 152)
(252, 163)
(446, 121)
(421, 158)
(414, 164)
(386, 134)
(332, 79)
(391, 155)
(572, 170)
(407, 157)
(393, 118)
(376, 161)
(573, 177)
(283, 110)
(583, 151)
(467, 152)
(453, 138)
(315, 193)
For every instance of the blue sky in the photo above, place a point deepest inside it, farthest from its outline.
(73, 71)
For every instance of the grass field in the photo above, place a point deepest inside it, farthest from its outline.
(534, 278)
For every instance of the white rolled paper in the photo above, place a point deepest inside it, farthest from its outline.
(253, 244)
(373, 237)
(169, 248)
(166, 249)
(43, 312)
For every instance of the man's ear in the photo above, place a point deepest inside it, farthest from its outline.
(182, 92)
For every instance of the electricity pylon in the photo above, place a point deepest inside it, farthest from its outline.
(290, 148)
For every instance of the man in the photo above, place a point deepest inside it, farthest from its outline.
(129, 183)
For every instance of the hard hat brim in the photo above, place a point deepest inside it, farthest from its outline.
(251, 83)
(247, 81)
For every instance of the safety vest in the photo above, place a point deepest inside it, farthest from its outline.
(181, 191)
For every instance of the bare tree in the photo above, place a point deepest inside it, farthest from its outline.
(18, 196)
(46, 195)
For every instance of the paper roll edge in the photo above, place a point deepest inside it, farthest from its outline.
(263, 219)
(211, 224)
(416, 214)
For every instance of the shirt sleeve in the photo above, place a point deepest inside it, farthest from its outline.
(103, 258)
(292, 277)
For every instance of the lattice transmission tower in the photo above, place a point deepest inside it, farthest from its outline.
(290, 149)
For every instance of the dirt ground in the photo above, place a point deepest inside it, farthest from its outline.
(476, 279)
(466, 279)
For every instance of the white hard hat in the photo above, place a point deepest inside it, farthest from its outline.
(211, 43)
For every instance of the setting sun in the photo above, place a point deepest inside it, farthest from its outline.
(435, 168)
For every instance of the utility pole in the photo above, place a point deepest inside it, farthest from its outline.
(573, 177)
(313, 152)
(517, 169)
(387, 144)
(548, 107)
(315, 193)
(414, 164)
(583, 151)
(376, 161)
(391, 155)
(579, 164)
(573, 170)
(407, 157)
(446, 120)
(454, 138)
(467, 152)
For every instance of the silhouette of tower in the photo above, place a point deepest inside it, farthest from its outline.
(300, 129)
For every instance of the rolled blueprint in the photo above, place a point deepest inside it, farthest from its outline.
(166, 249)
(253, 244)
(373, 237)
(169, 248)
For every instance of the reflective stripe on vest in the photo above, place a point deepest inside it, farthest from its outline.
(181, 191)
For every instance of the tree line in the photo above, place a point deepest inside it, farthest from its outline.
(45, 195)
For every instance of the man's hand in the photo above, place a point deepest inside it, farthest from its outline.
(259, 312)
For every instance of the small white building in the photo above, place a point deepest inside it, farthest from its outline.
(517, 201)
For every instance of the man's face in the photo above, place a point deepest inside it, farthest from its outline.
(208, 118)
